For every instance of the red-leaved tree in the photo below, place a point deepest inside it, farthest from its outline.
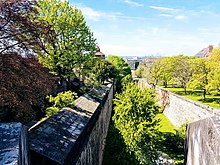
(19, 29)
(24, 85)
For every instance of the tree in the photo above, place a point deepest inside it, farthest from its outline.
(134, 117)
(213, 76)
(166, 70)
(24, 85)
(19, 30)
(122, 69)
(141, 71)
(199, 79)
(216, 54)
(181, 70)
(102, 70)
(154, 74)
(72, 46)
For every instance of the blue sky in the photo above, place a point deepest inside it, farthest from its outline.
(152, 27)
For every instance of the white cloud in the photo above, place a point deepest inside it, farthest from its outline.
(176, 17)
(180, 17)
(92, 14)
(171, 12)
(132, 3)
(96, 15)
(160, 8)
(165, 15)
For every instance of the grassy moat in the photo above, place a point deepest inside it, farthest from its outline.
(170, 143)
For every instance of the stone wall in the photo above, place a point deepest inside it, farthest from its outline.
(202, 144)
(74, 136)
(181, 110)
(13, 144)
(92, 153)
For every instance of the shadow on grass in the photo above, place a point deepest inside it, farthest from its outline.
(210, 100)
(173, 145)
(115, 149)
(193, 93)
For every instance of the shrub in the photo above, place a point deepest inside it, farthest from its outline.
(63, 99)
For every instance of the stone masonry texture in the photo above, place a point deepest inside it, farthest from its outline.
(74, 136)
(178, 109)
(181, 110)
(202, 144)
(13, 144)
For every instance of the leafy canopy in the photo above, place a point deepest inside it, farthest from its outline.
(102, 70)
(199, 78)
(122, 69)
(24, 85)
(134, 117)
(72, 44)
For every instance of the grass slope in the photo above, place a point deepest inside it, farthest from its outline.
(165, 124)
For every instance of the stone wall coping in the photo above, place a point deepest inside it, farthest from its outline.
(10, 143)
(56, 137)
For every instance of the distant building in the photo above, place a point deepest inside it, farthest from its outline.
(133, 62)
(205, 53)
(99, 53)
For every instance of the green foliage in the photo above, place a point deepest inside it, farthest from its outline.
(216, 54)
(126, 80)
(182, 70)
(213, 75)
(172, 139)
(102, 70)
(154, 73)
(141, 71)
(68, 51)
(199, 78)
(187, 72)
(173, 144)
(166, 70)
(115, 149)
(51, 111)
(134, 117)
(122, 69)
(63, 99)
(174, 69)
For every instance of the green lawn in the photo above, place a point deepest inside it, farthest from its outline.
(212, 101)
(165, 124)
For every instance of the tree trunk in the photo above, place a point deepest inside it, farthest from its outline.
(204, 94)
(165, 84)
(68, 83)
(184, 89)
